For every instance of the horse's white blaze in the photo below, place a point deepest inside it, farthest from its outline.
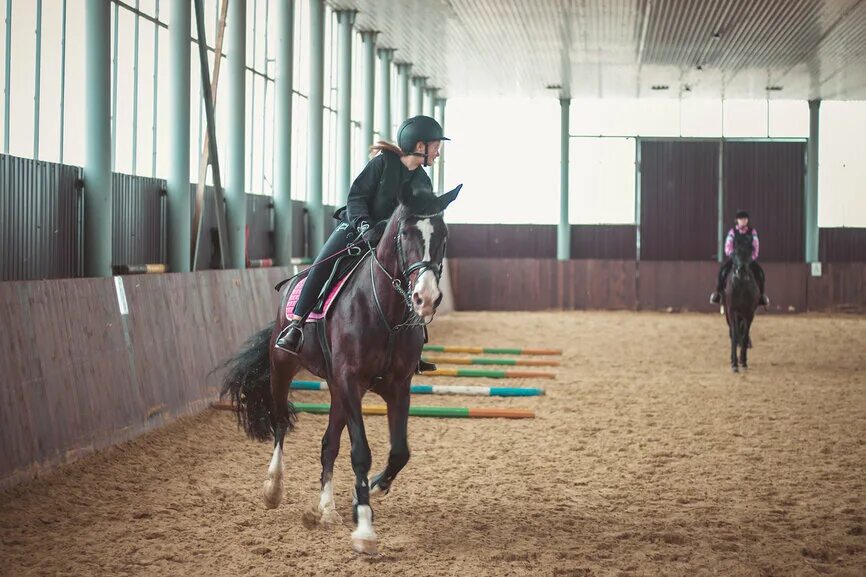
(426, 287)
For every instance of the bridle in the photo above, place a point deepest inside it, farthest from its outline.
(405, 276)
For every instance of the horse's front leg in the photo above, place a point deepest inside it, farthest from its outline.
(364, 538)
(747, 325)
(734, 341)
(398, 423)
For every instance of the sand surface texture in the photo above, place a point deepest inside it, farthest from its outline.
(647, 457)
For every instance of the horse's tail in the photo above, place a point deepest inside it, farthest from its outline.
(247, 384)
(741, 331)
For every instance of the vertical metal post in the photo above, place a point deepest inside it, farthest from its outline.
(265, 100)
(62, 82)
(97, 166)
(418, 83)
(314, 132)
(440, 174)
(563, 236)
(720, 203)
(430, 101)
(153, 129)
(385, 116)
(114, 93)
(345, 20)
(403, 72)
(8, 79)
(811, 202)
(283, 213)
(179, 223)
(637, 196)
(368, 41)
(236, 202)
(38, 87)
(135, 94)
(253, 102)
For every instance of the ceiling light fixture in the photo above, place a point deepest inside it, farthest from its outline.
(660, 87)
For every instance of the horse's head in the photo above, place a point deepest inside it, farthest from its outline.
(742, 255)
(419, 237)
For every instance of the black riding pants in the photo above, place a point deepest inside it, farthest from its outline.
(726, 270)
(319, 273)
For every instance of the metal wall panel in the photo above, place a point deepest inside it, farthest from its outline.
(77, 375)
(260, 224)
(842, 245)
(539, 241)
(137, 221)
(768, 180)
(679, 200)
(39, 216)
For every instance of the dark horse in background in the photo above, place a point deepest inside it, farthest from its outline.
(741, 299)
(371, 339)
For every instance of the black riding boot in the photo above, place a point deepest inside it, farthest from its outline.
(422, 364)
(291, 338)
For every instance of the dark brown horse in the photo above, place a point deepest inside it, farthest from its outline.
(741, 299)
(370, 340)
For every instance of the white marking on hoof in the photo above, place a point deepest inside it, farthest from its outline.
(364, 538)
(272, 492)
(328, 515)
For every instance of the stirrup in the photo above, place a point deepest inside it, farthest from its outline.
(424, 366)
(281, 343)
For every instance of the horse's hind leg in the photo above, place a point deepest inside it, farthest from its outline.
(330, 450)
(283, 369)
(398, 421)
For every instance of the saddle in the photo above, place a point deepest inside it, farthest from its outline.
(341, 270)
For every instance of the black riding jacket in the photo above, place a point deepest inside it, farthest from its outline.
(375, 193)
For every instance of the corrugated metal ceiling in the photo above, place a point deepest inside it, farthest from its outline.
(621, 48)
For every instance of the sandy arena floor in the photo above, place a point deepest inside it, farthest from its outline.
(648, 457)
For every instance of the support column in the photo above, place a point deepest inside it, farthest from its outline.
(368, 41)
(430, 102)
(403, 72)
(440, 174)
(179, 219)
(236, 202)
(563, 236)
(385, 117)
(97, 164)
(720, 202)
(345, 20)
(418, 85)
(283, 213)
(314, 131)
(810, 206)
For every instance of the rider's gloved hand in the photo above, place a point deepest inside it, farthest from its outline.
(371, 234)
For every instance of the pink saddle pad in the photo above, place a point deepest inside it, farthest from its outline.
(329, 300)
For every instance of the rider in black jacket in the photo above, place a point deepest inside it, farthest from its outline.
(372, 199)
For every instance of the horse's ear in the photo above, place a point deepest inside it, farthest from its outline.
(449, 197)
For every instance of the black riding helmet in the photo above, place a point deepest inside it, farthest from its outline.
(742, 214)
(419, 129)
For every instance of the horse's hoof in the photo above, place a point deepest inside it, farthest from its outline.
(330, 518)
(745, 366)
(377, 491)
(272, 493)
(365, 546)
(735, 369)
